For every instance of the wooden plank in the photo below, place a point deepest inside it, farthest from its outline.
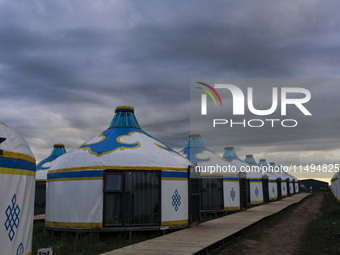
(39, 217)
(197, 238)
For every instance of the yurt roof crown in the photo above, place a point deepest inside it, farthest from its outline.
(250, 159)
(263, 162)
(195, 141)
(124, 117)
(58, 150)
(230, 154)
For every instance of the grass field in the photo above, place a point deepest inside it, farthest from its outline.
(255, 232)
(67, 243)
(322, 235)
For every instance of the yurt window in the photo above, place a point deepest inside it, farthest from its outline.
(113, 182)
(211, 193)
(131, 198)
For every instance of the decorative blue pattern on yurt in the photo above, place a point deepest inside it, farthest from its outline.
(58, 150)
(124, 124)
(109, 141)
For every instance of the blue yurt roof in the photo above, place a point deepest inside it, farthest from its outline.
(199, 154)
(58, 150)
(230, 154)
(194, 147)
(263, 162)
(250, 160)
(124, 118)
(123, 144)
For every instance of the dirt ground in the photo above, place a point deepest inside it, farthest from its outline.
(289, 228)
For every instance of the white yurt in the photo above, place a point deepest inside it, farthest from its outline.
(121, 179)
(219, 182)
(17, 180)
(253, 175)
(291, 182)
(335, 185)
(41, 174)
(285, 186)
(273, 188)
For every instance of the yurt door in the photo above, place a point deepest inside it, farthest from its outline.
(113, 198)
(194, 198)
(248, 193)
(131, 198)
(211, 193)
(243, 193)
(265, 190)
(279, 191)
(288, 188)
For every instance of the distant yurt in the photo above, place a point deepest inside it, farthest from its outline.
(41, 175)
(290, 180)
(283, 176)
(276, 170)
(253, 176)
(335, 186)
(285, 182)
(296, 183)
(17, 180)
(122, 179)
(219, 185)
(273, 187)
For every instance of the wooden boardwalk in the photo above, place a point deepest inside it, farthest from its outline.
(39, 217)
(198, 238)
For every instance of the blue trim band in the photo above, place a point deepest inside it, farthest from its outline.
(255, 180)
(233, 178)
(76, 174)
(174, 174)
(17, 164)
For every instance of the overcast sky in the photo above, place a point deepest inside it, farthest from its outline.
(65, 65)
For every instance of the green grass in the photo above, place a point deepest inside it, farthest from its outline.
(322, 235)
(87, 243)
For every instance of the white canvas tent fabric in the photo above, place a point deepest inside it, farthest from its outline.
(283, 176)
(253, 174)
(210, 165)
(41, 175)
(289, 179)
(272, 179)
(17, 180)
(335, 185)
(75, 179)
(45, 164)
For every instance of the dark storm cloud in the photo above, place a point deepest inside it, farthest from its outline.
(65, 65)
